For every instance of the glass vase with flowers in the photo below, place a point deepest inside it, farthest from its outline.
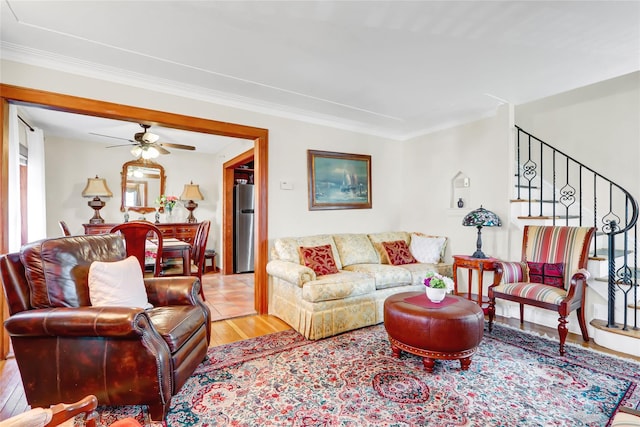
(167, 203)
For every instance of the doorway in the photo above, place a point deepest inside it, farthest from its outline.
(73, 104)
(229, 178)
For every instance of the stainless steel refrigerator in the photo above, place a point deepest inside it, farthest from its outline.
(243, 228)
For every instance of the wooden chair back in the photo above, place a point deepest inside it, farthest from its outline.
(136, 234)
(198, 248)
(200, 245)
(64, 228)
(555, 244)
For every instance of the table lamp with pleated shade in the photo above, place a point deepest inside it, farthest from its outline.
(190, 193)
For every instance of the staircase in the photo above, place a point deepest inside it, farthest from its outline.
(552, 188)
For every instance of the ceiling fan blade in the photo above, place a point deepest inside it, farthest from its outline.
(109, 136)
(161, 149)
(120, 145)
(180, 146)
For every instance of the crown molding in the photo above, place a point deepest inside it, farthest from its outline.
(43, 59)
(39, 58)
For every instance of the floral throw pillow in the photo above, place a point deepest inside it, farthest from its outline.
(319, 259)
(547, 273)
(398, 252)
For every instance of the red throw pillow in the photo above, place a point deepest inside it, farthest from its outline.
(547, 273)
(398, 252)
(319, 259)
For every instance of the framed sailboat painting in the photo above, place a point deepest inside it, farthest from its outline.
(338, 180)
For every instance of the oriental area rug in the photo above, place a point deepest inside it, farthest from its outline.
(282, 379)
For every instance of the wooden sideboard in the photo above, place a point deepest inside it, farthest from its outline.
(178, 230)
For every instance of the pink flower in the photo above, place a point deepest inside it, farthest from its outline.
(167, 201)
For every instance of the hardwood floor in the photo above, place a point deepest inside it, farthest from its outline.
(221, 293)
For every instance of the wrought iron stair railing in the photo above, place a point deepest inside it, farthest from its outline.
(560, 189)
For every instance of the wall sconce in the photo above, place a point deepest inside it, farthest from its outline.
(480, 218)
(191, 192)
(96, 188)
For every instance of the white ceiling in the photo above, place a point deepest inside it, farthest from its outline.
(391, 68)
(111, 133)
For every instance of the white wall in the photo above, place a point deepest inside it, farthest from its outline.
(289, 213)
(480, 150)
(411, 180)
(69, 163)
(289, 141)
(598, 125)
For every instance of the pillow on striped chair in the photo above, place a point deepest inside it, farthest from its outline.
(547, 273)
(512, 272)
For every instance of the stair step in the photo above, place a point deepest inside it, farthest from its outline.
(540, 217)
(606, 278)
(532, 201)
(602, 324)
(604, 253)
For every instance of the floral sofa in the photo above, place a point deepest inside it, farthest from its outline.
(319, 299)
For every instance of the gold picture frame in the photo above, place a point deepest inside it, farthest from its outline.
(338, 180)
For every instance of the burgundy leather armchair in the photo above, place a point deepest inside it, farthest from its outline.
(66, 349)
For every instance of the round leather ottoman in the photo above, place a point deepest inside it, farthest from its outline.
(449, 330)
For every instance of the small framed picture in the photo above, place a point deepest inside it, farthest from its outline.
(338, 180)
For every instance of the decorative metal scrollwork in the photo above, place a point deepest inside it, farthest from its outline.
(610, 223)
(567, 195)
(624, 276)
(529, 170)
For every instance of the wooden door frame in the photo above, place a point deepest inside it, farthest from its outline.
(91, 107)
(227, 206)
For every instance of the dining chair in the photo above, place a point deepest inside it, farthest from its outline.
(198, 249)
(64, 228)
(136, 235)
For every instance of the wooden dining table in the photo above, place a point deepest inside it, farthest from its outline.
(175, 248)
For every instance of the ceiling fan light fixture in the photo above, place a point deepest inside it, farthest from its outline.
(150, 153)
(146, 144)
(136, 151)
(150, 137)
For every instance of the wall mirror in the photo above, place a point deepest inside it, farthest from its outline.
(142, 183)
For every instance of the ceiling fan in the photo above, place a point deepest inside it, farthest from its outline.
(146, 144)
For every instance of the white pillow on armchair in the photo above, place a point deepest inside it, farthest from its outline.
(117, 284)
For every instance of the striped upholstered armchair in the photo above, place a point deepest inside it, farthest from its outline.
(552, 275)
